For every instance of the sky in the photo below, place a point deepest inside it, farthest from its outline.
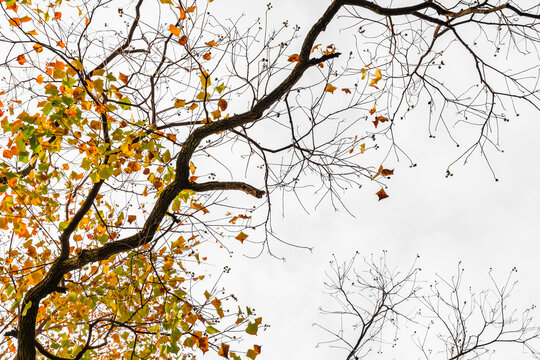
(468, 218)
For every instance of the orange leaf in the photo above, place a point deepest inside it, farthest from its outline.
(182, 14)
(60, 44)
(203, 344)
(241, 237)
(38, 48)
(315, 48)
(14, 22)
(57, 15)
(123, 78)
(330, 88)
(224, 350)
(207, 56)
(183, 40)
(21, 59)
(191, 9)
(210, 43)
(174, 30)
(382, 194)
(346, 91)
(294, 58)
(131, 218)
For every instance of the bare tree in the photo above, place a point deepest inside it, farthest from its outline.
(377, 305)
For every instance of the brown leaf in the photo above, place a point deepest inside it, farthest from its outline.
(387, 172)
(382, 194)
(241, 237)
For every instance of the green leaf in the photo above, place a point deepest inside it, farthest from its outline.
(26, 308)
(211, 330)
(220, 88)
(125, 100)
(252, 328)
(63, 225)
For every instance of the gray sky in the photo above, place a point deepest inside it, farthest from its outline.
(468, 217)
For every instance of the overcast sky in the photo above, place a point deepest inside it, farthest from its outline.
(468, 217)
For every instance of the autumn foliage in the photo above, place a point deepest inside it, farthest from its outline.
(118, 144)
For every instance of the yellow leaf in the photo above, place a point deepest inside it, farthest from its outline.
(38, 48)
(192, 106)
(179, 103)
(32, 32)
(330, 88)
(363, 148)
(192, 168)
(216, 114)
(376, 79)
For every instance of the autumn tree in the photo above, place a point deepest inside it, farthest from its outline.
(125, 126)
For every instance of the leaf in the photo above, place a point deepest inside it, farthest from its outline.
(382, 194)
(39, 79)
(211, 330)
(372, 111)
(294, 58)
(60, 44)
(207, 56)
(362, 148)
(379, 119)
(192, 168)
(330, 88)
(210, 43)
(183, 40)
(179, 103)
(222, 103)
(216, 114)
(57, 15)
(386, 172)
(220, 89)
(346, 91)
(224, 350)
(315, 48)
(26, 308)
(174, 30)
(131, 218)
(21, 59)
(38, 48)
(376, 79)
(241, 237)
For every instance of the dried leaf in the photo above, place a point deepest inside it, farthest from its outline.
(382, 194)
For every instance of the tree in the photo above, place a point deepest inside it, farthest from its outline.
(117, 132)
(378, 305)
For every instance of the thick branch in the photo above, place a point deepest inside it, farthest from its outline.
(227, 185)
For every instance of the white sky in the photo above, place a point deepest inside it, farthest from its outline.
(468, 217)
